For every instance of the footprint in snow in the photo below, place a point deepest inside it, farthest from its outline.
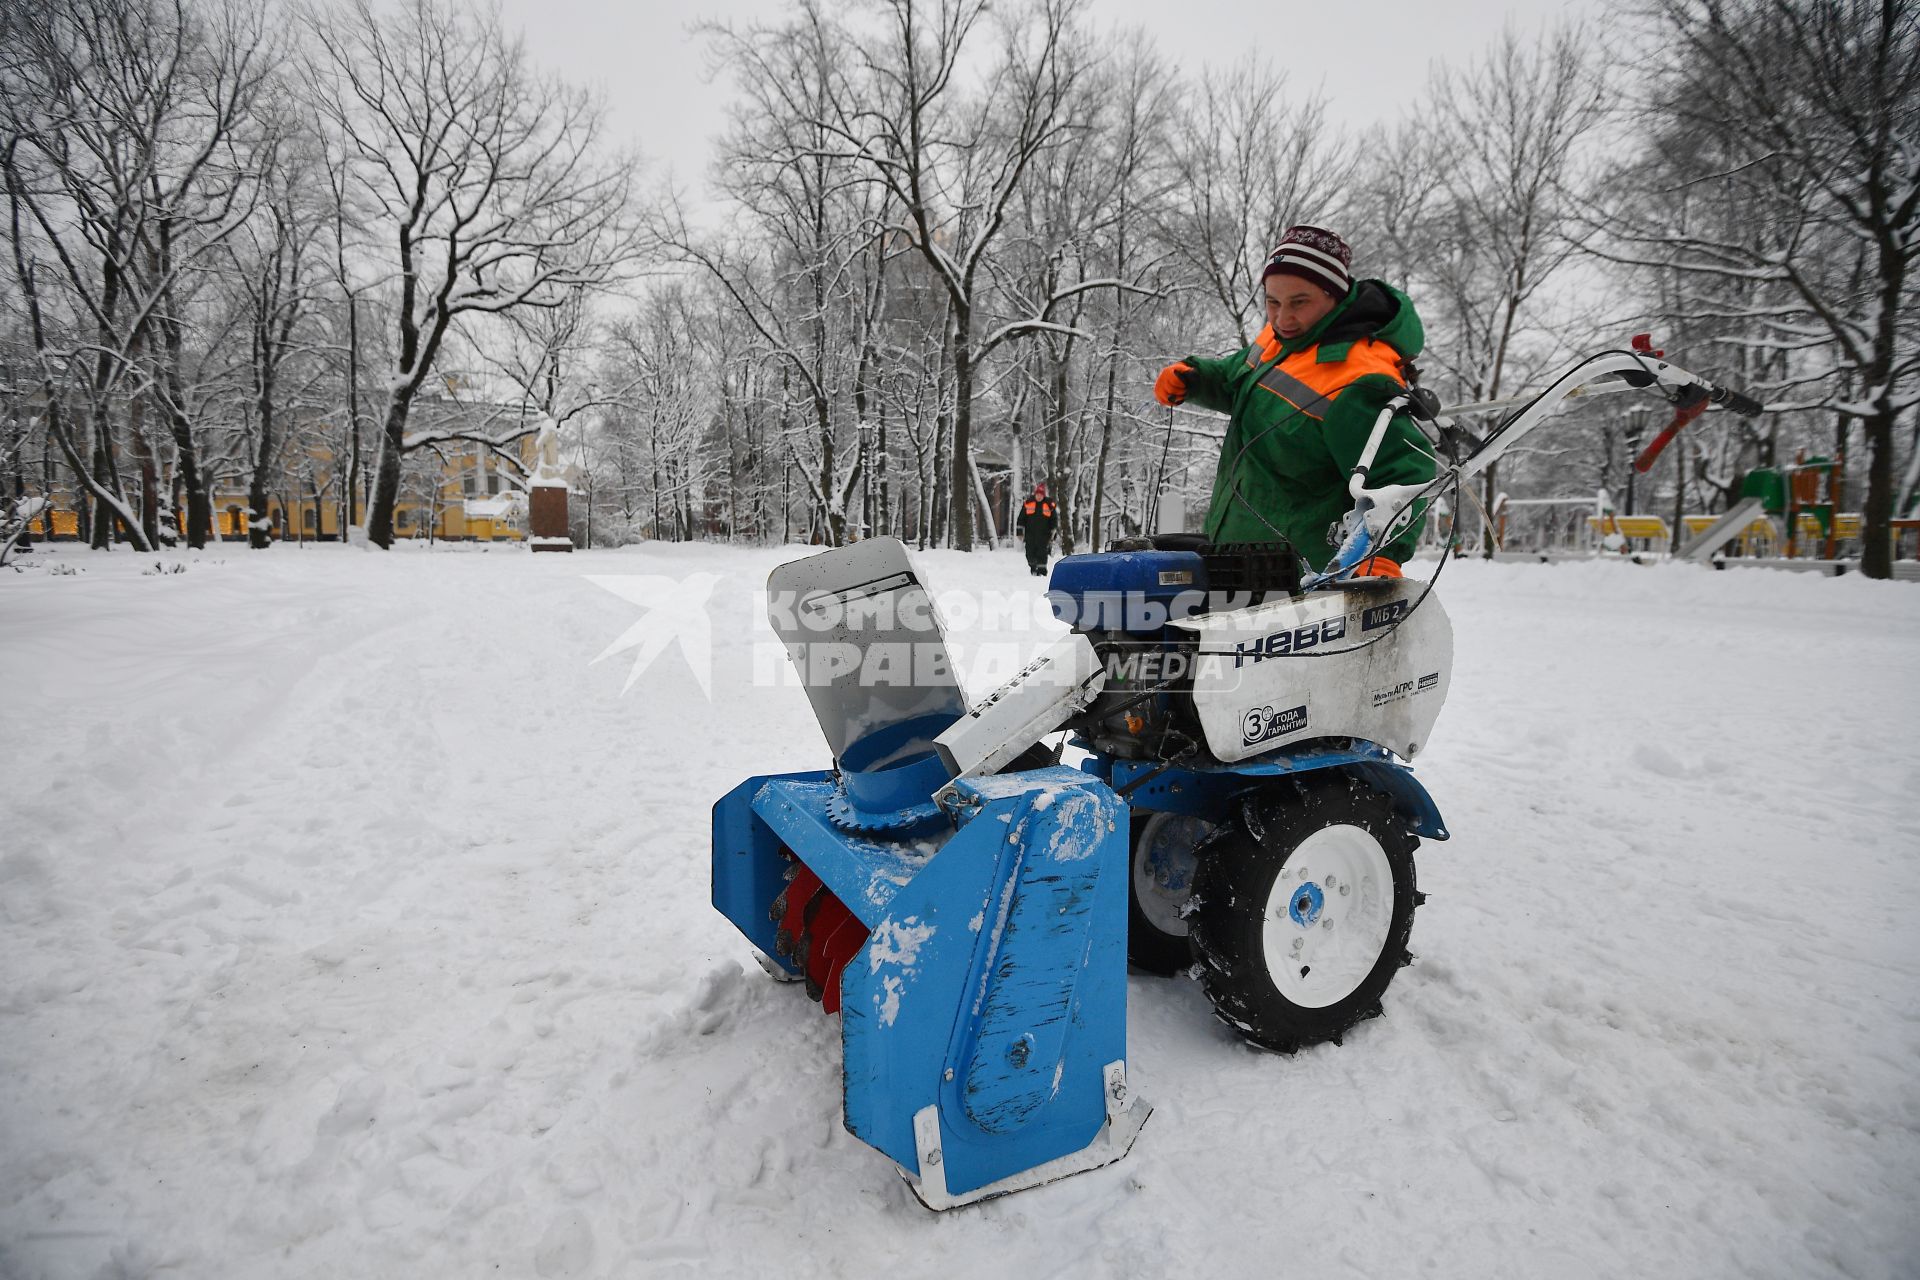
(1656, 759)
(719, 995)
(567, 1247)
(133, 1261)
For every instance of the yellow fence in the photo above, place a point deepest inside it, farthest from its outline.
(1632, 528)
(1760, 539)
(1809, 535)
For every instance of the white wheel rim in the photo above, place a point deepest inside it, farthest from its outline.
(1328, 916)
(1163, 865)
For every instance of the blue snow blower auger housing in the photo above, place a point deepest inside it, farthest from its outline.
(1244, 813)
(969, 932)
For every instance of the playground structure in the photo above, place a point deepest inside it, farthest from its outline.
(1786, 517)
(1780, 515)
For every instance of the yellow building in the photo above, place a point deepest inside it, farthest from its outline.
(468, 496)
(473, 497)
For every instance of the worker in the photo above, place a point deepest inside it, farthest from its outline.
(1302, 400)
(1037, 518)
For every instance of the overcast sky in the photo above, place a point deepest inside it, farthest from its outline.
(1371, 58)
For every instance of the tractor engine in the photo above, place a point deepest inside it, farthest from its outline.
(1127, 602)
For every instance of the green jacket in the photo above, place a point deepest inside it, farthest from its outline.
(1300, 416)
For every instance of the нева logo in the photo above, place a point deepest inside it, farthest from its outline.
(676, 612)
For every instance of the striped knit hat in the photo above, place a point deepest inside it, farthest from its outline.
(1316, 255)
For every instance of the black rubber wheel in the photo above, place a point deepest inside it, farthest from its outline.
(1160, 864)
(1302, 911)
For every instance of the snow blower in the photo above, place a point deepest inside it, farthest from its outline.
(969, 906)
(963, 928)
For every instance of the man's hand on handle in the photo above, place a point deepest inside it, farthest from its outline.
(1378, 567)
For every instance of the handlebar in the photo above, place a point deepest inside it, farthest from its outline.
(1379, 512)
(1737, 401)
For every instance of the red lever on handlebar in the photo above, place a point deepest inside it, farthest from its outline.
(1693, 403)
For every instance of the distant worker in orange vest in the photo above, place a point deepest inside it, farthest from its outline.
(1037, 518)
(1302, 401)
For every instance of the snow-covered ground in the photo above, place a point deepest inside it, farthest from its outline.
(354, 923)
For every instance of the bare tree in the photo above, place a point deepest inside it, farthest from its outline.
(487, 177)
(554, 357)
(125, 165)
(667, 410)
(801, 263)
(344, 235)
(953, 162)
(1804, 117)
(1252, 162)
(1503, 141)
(275, 266)
(1127, 144)
(1090, 215)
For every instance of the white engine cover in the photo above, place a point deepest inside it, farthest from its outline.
(1330, 665)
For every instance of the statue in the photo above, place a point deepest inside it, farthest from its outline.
(549, 471)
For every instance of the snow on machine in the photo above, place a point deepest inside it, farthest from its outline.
(968, 904)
